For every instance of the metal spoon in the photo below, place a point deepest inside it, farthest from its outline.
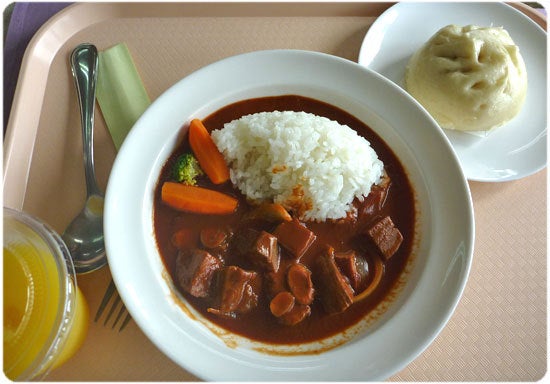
(84, 235)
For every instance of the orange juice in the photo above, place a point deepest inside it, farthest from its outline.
(45, 314)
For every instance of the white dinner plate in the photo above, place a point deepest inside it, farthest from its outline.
(377, 347)
(512, 151)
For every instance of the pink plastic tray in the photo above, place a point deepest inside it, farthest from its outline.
(498, 331)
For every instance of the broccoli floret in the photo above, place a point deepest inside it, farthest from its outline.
(186, 169)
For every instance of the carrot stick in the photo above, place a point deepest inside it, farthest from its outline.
(194, 199)
(210, 158)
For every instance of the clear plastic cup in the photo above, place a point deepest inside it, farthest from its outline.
(45, 314)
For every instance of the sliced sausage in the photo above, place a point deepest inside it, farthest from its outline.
(214, 237)
(282, 303)
(298, 313)
(299, 281)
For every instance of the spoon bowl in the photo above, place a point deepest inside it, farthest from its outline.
(84, 235)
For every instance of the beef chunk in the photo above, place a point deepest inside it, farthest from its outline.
(294, 237)
(244, 240)
(275, 282)
(260, 248)
(251, 294)
(282, 303)
(347, 264)
(298, 313)
(377, 197)
(240, 290)
(298, 278)
(385, 236)
(334, 291)
(194, 271)
(266, 252)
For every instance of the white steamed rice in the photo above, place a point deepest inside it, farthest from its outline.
(274, 155)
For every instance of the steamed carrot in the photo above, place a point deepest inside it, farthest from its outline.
(210, 158)
(195, 199)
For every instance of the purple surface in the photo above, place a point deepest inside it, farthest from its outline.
(26, 19)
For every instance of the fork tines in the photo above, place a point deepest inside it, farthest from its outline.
(117, 303)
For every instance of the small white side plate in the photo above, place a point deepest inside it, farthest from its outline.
(518, 148)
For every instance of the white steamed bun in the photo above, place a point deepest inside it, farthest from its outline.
(469, 78)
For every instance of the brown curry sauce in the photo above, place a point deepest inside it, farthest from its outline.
(260, 324)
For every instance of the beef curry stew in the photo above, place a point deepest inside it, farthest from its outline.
(262, 273)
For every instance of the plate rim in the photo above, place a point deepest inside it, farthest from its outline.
(113, 204)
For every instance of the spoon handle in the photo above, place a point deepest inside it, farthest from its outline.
(84, 62)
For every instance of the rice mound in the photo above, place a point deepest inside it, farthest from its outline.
(310, 164)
